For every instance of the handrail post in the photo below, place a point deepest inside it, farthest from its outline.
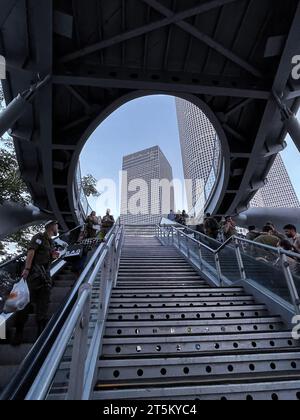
(179, 239)
(290, 282)
(200, 256)
(240, 259)
(218, 267)
(188, 248)
(80, 349)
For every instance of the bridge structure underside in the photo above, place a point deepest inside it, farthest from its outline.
(226, 56)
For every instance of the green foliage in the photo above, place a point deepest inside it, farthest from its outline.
(89, 185)
(12, 188)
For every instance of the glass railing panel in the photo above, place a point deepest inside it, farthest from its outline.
(263, 266)
(229, 263)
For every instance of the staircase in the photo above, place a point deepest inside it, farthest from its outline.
(170, 336)
(11, 357)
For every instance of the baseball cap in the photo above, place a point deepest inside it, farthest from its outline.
(50, 223)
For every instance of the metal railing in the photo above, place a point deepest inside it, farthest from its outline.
(239, 259)
(103, 266)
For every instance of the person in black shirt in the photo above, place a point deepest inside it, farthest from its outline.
(41, 252)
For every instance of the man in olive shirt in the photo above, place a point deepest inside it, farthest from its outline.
(37, 273)
(268, 237)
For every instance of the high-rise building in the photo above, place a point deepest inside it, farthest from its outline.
(200, 154)
(147, 190)
(200, 149)
(279, 191)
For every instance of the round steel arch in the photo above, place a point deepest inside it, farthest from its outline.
(224, 173)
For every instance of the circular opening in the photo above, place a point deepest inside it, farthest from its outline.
(275, 397)
(116, 374)
(208, 369)
(119, 332)
(140, 372)
(230, 368)
(273, 366)
(186, 370)
(118, 350)
(158, 348)
(163, 372)
(132, 118)
(252, 367)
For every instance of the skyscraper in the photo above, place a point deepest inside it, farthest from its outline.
(147, 191)
(201, 151)
(279, 191)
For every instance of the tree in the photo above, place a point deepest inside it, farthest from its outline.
(12, 188)
(89, 185)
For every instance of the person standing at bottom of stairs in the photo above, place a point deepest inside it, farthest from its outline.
(41, 253)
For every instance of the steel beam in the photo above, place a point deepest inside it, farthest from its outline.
(157, 86)
(206, 39)
(145, 29)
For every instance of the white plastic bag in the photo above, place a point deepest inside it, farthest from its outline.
(19, 298)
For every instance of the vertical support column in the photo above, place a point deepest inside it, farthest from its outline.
(80, 349)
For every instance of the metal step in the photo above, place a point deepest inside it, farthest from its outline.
(193, 327)
(213, 344)
(283, 390)
(187, 369)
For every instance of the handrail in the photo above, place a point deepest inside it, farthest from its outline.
(238, 241)
(18, 387)
(45, 376)
(232, 239)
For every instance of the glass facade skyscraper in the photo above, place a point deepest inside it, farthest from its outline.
(199, 144)
(145, 196)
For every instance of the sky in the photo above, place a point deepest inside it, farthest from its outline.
(140, 124)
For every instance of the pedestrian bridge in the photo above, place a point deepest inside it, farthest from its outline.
(77, 62)
(162, 313)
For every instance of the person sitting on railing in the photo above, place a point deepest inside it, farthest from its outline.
(91, 223)
(107, 223)
(41, 253)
